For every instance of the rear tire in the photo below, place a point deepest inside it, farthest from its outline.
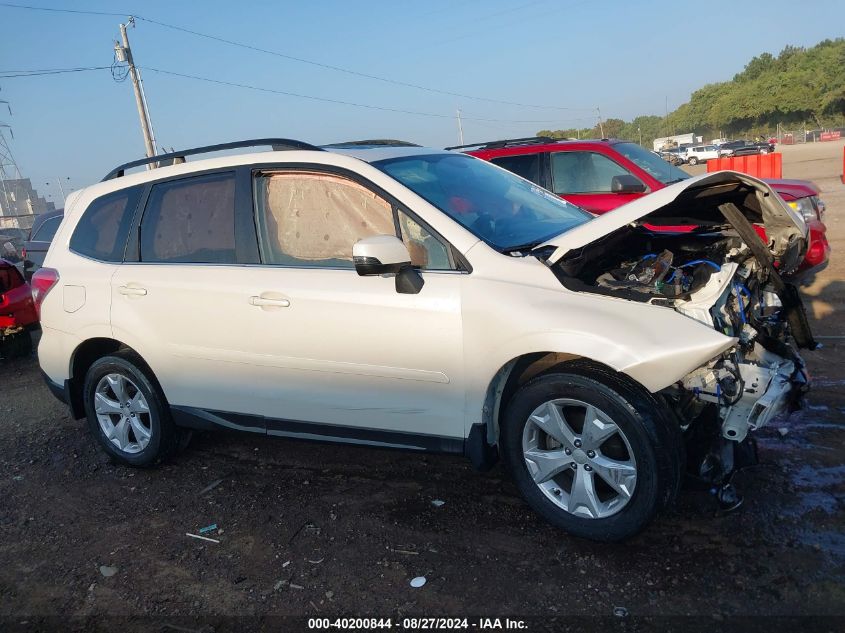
(127, 412)
(619, 466)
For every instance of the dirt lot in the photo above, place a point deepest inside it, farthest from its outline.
(315, 530)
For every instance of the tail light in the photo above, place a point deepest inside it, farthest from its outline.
(818, 250)
(42, 282)
(23, 253)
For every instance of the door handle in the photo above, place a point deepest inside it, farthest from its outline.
(261, 301)
(130, 291)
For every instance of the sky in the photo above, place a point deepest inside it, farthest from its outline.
(518, 66)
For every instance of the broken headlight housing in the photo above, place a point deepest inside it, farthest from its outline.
(806, 207)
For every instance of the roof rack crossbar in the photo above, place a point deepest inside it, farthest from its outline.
(278, 144)
(528, 140)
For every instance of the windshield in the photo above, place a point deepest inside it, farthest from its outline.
(658, 168)
(504, 210)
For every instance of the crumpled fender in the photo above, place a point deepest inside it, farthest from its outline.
(655, 346)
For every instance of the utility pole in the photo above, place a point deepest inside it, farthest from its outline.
(124, 54)
(601, 125)
(460, 128)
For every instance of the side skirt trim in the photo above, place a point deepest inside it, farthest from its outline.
(203, 420)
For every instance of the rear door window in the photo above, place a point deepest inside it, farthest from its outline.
(583, 172)
(104, 226)
(190, 220)
(526, 165)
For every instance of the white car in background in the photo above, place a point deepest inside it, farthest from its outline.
(389, 295)
(701, 153)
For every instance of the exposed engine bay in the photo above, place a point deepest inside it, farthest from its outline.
(724, 275)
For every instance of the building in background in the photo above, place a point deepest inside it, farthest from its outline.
(20, 203)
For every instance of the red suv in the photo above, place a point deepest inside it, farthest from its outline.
(601, 175)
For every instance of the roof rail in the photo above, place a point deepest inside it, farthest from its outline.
(380, 142)
(278, 144)
(509, 142)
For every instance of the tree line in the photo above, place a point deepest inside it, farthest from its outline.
(801, 88)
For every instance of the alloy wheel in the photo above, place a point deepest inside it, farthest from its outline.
(123, 413)
(579, 458)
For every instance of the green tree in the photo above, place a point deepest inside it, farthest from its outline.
(800, 85)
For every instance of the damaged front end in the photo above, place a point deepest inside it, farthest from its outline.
(723, 275)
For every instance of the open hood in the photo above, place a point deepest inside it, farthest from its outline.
(694, 202)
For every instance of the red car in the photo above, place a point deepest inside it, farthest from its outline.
(601, 175)
(17, 312)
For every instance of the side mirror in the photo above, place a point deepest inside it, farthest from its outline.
(385, 255)
(626, 183)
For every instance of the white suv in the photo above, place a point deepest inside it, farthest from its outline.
(701, 153)
(383, 294)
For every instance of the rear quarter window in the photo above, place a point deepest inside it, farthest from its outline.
(104, 226)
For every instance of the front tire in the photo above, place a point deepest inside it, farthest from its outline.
(127, 413)
(693, 161)
(591, 453)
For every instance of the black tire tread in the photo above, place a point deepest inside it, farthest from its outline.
(663, 433)
(171, 438)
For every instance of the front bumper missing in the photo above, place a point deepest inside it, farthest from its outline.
(767, 392)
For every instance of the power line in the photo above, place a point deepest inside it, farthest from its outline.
(51, 10)
(54, 71)
(329, 100)
(302, 60)
(349, 71)
(10, 74)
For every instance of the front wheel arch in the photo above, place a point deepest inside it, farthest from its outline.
(658, 436)
(520, 370)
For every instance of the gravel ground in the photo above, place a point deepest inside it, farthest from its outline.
(317, 530)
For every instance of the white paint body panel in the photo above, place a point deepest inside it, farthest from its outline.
(349, 350)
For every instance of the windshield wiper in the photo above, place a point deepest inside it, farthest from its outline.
(522, 247)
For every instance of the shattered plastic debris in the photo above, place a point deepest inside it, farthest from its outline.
(107, 571)
(418, 582)
(620, 612)
(208, 528)
(437, 503)
(783, 431)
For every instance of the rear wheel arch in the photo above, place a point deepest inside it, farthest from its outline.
(85, 355)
